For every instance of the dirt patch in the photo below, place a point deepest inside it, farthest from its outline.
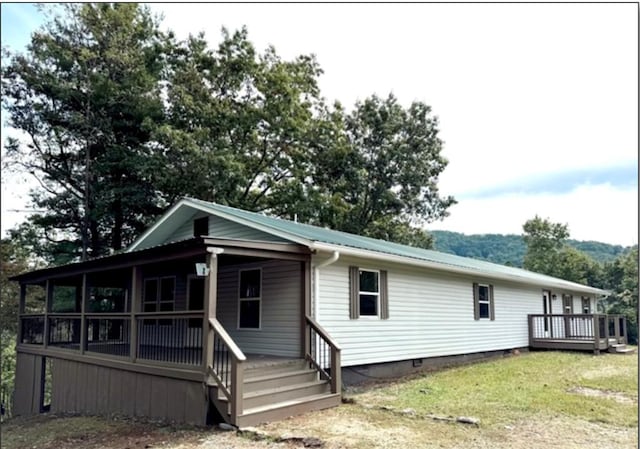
(607, 394)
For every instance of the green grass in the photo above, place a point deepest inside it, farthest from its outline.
(511, 389)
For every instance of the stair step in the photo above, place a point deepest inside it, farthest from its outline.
(277, 367)
(284, 393)
(625, 351)
(279, 379)
(270, 412)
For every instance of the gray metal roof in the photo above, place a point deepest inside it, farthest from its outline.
(307, 233)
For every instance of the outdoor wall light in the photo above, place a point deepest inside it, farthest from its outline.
(202, 269)
(554, 297)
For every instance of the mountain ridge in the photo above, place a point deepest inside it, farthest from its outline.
(509, 249)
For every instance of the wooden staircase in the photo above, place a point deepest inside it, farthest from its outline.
(276, 392)
(619, 348)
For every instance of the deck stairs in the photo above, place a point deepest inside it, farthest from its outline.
(276, 391)
(619, 348)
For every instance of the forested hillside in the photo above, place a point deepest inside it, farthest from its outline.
(510, 249)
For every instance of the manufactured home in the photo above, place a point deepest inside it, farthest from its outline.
(216, 313)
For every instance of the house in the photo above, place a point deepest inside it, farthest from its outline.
(216, 313)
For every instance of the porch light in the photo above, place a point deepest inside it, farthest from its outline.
(202, 269)
(554, 297)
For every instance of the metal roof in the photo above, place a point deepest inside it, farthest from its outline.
(337, 240)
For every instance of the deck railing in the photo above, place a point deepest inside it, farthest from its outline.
(569, 331)
(323, 354)
(226, 366)
(167, 337)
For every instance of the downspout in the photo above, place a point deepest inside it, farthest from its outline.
(316, 280)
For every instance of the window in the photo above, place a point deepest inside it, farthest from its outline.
(201, 226)
(483, 304)
(249, 298)
(567, 304)
(586, 304)
(158, 296)
(368, 293)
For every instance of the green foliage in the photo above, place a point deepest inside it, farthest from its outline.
(85, 95)
(622, 280)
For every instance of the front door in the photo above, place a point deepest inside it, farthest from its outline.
(546, 309)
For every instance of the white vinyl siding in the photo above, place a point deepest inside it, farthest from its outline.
(281, 302)
(222, 228)
(431, 314)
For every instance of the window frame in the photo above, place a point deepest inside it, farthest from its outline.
(588, 308)
(257, 298)
(490, 301)
(376, 294)
(567, 299)
(158, 302)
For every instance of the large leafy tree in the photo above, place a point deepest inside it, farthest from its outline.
(548, 252)
(237, 129)
(377, 169)
(84, 96)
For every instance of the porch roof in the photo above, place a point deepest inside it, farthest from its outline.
(327, 240)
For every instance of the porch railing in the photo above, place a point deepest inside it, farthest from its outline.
(599, 329)
(167, 337)
(226, 366)
(323, 354)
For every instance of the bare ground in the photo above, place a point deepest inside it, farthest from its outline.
(350, 426)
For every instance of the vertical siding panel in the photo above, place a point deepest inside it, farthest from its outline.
(143, 395)
(175, 400)
(92, 390)
(115, 391)
(102, 397)
(195, 403)
(128, 392)
(158, 399)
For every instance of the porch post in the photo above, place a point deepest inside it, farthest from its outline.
(210, 304)
(136, 284)
(624, 330)
(21, 306)
(306, 308)
(47, 308)
(83, 310)
(596, 333)
(616, 328)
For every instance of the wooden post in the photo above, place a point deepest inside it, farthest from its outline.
(237, 381)
(47, 308)
(530, 321)
(21, 307)
(306, 309)
(596, 333)
(616, 328)
(136, 291)
(336, 371)
(210, 304)
(624, 330)
(83, 311)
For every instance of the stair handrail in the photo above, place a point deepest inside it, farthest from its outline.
(230, 383)
(335, 378)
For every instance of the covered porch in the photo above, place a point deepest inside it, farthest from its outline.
(203, 310)
(582, 332)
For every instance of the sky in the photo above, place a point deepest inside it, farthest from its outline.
(537, 103)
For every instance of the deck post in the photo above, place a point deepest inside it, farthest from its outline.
(210, 304)
(616, 328)
(83, 309)
(624, 330)
(237, 380)
(596, 334)
(306, 338)
(47, 308)
(336, 371)
(136, 284)
(21, 307)
(530, 321)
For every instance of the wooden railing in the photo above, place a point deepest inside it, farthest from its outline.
(226, 367)
(575, 329)
(323, 353)
(173, 338)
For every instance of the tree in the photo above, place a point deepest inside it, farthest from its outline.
(85, 96)
(544, 240)
(622, 280)
(376, 171)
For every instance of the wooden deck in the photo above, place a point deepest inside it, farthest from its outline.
(579, 332)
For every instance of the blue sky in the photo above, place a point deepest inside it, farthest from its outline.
(533, 123)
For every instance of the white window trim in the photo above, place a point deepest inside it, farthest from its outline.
(376, 294)
(259, 299)
(487, 302)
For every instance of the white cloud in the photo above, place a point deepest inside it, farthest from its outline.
(593, 212)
